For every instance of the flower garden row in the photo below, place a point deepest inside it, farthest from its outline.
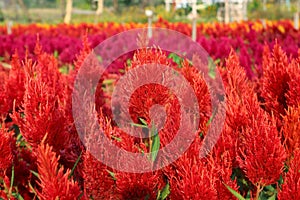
(247, 38)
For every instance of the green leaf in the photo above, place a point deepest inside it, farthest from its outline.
(217, 61)
(273, 197)
(268, 193)
(116, 138)
(158, 195)
(248, 197)
(108, 81)
(112, 175)
(143, 121)
(211, 68)
(19, 137)
(211, 118)
(5, 65)
(270, 188)
(76, 163)
(139, 125)
(64, 69)
(147, 197)
(32, 189)
(34, 173)
(280, 181)
(17, 196)
(12, 178)
(201, 134)
(155, 143)
(235, 193)
(20, 140)
(55, 54)
(165, 192)
(99, 58)
(176, 58)
(128, 62)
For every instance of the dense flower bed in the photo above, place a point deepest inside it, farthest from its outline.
(257, 155)
(247, 38)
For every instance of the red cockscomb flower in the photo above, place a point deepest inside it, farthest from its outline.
(6, 144)
(262, 155)
(293, 97)
(43, 107)
(274, 82)
(291, 183)
(291, 129)
(54, 183)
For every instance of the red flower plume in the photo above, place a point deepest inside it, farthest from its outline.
(190, 177)
(6, 158)
(291, 183)
(293, 97)
(262, 156)
(54, 183)
(241, 98)
(3, 95)
(275, 81)
(139, 186)
(98, 184)
(291, 129)
(43, 107)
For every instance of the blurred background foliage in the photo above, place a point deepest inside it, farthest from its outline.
(122, 11)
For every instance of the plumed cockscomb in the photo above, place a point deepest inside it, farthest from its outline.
(87, 70)
(195, 78)
(54, 183)
(43, 107)
(154, 103)
(262, 156)
(190, 177)
(3, 95)
(293, 97)
(291, 129)
(139, 186)
(15, 84)
(291, 182)
(145, 56)
(6, 148)
(274, 82)
(241, 99)
(220, 163)
(43, 112)
(98, 183)
(6, 192)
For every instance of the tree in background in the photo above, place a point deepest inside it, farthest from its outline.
(99, 10)
(116, 5)
(1, 15)
(22, 5)
(100, 7)
(62, 4)
(69, 7)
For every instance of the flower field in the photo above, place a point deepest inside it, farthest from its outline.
(257, 155)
